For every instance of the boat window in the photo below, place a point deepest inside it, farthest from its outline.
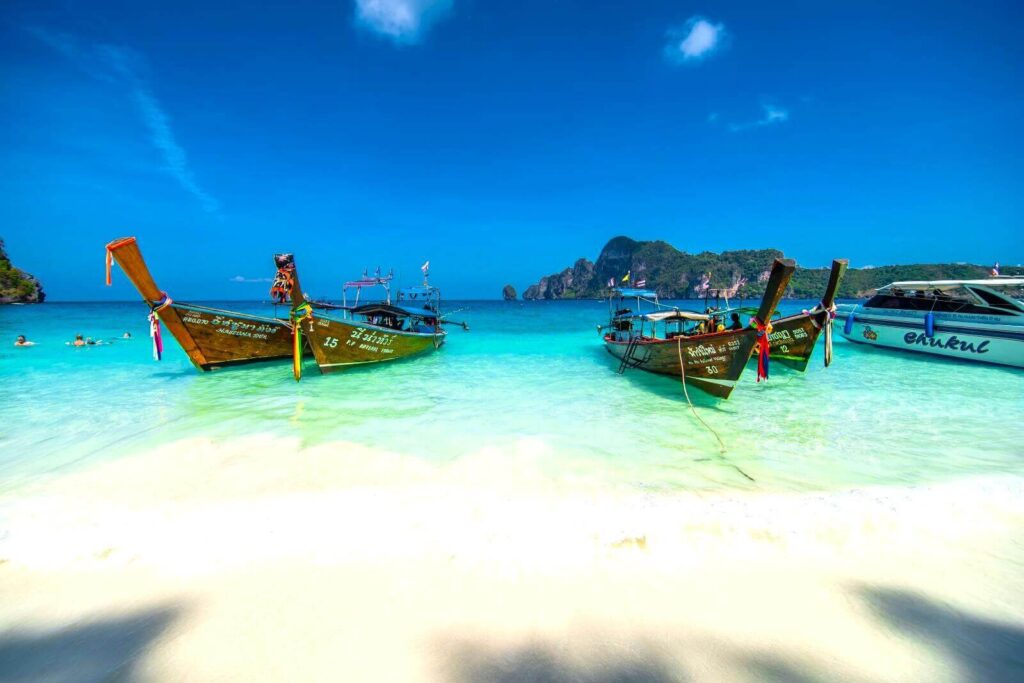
(919, 301)
(993, 300)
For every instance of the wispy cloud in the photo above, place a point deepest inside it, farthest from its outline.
(115, 64)
(243, 279)
(770, 116)
(694, 41)
(403, 21)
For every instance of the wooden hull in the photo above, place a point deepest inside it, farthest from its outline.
(338, 344)
(211, 338)
(792, 339)
(225, 338)
(713, 362)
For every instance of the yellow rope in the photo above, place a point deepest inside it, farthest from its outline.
(682, 377)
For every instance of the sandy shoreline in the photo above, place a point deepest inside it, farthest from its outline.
(260, 560)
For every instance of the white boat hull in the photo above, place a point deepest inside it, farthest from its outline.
(1002, 346)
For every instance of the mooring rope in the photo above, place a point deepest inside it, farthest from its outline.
(682, 377)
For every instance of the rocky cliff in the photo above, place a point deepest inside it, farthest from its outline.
(672, 273)
(508, 293)
(676, 274)
(571, 283)
(17, 286)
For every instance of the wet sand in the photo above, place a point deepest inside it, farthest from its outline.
(256, 559)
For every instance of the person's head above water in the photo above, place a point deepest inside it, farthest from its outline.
(127, 334)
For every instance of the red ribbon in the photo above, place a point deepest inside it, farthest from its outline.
(763, 357)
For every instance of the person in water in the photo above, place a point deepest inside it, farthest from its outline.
(126, 335)
(22, 341)
(736, 324)
(79, 341)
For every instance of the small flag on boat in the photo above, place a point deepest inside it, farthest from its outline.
(425, 267)
(995, 270)
(641, 283)
(611, 282)
(625, 278)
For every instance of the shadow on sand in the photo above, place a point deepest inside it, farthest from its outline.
(95, 650)
(985, 650)
(977, 649)
(546, 663)
(646, 663)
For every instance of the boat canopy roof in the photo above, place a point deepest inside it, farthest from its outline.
(945, 285)
(631, 292)
(675, 315)
(397, 311)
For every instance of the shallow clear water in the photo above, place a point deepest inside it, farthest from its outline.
(529, 376)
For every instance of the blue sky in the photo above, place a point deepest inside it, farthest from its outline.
(501, 140)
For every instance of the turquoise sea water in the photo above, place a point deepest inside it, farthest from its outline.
(529, 375)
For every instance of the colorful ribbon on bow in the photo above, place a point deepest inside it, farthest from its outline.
(830, 316)
(154, 332)
(300, 313)
(154, 324)
(763, 357)
(164, 302)
(281, 288)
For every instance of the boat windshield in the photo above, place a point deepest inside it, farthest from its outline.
(968, 298)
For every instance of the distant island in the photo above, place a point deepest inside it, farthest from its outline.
(676, 274)
(17, 286)
(508, 293)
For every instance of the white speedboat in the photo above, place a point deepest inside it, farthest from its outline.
(976, 320)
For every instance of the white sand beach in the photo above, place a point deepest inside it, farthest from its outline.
(256, 559)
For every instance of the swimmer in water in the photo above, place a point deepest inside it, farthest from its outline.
(126, 335)
(22, 341)
(79, 341)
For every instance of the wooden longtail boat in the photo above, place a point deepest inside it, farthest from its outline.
(712, 361)
(793, 337)
(211, 337)
(369, 333)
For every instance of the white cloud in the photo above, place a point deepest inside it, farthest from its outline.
(404, 21)
(770, 115)
(694, 41)
(241, 278)
(113, 64)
